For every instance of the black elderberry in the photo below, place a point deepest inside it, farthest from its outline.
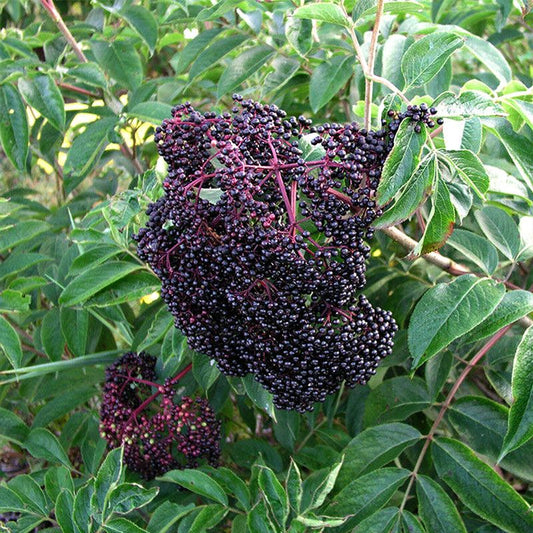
(266, 278)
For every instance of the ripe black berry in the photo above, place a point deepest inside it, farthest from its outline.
(261, 253)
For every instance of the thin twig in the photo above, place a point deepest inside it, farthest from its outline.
(370, 65)
(56, 17)
(429, 437)
(75, 89)
(445, 263)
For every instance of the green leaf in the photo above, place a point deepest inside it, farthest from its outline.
(395, 399)
(315, 521)
(514, 305)
(29, 491)
(89, 73)
(14, 134)
(12, 427)
(479, 487)
(427, 56)
(126, 497)
(325, 12)
(92, 257)
(213, 53)
(293, 484)
(287, 428)
(518, 146)
(489, 55)
(364, 8)
(259, 395)
(44, 445)
(153, 112)
(62, 404)
(476, 248)
(58, 478)
(440, 221)
(166, 515)
(393, 50)
(20, 233)
(468, 104)
(367, 494)
(10, 343)
(231, 483)
(10, 501)
(86, 150)
(217, 10)
(12, 301)
(521, 413)
(325, 486)
(401, 163)
(122, 525)
(42, 94)
(500, 229)
(310, 152)
(120, 60)
(436, 508)
(110, 475)
(193, 48)
(375, 447)
(383, 521)
(482, 424)
(329, 78)
(131, 287)
(95, 279)
(143, 22)
(161, 323)
(259, 520)
(82, 512)
(64, 509)
(299, 34)
(204, 370)
(52, 337)
(411, 523)
(524, 108)
(275, 495)
(469, 168)
(284, 69)
(197, 482)
(75, 328)
(20, 261)
(450, 310)
(208, 517)
(243, 67)
(525, 227)
(410, 195)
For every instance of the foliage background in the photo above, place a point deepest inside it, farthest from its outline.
(440, 439)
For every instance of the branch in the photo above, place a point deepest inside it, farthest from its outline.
(370, 66)
(488, 345)
(444, 263)
(56, 17)
(76, 89)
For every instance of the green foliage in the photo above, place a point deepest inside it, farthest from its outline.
(440, 440)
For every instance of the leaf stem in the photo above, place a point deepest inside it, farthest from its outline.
(429, 437)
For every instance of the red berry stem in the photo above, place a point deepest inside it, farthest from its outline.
(159, 391)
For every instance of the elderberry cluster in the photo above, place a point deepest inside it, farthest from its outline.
(261, 248)
(176, 434)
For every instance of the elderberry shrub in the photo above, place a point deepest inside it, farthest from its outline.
(174, 434)
(261, 253)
